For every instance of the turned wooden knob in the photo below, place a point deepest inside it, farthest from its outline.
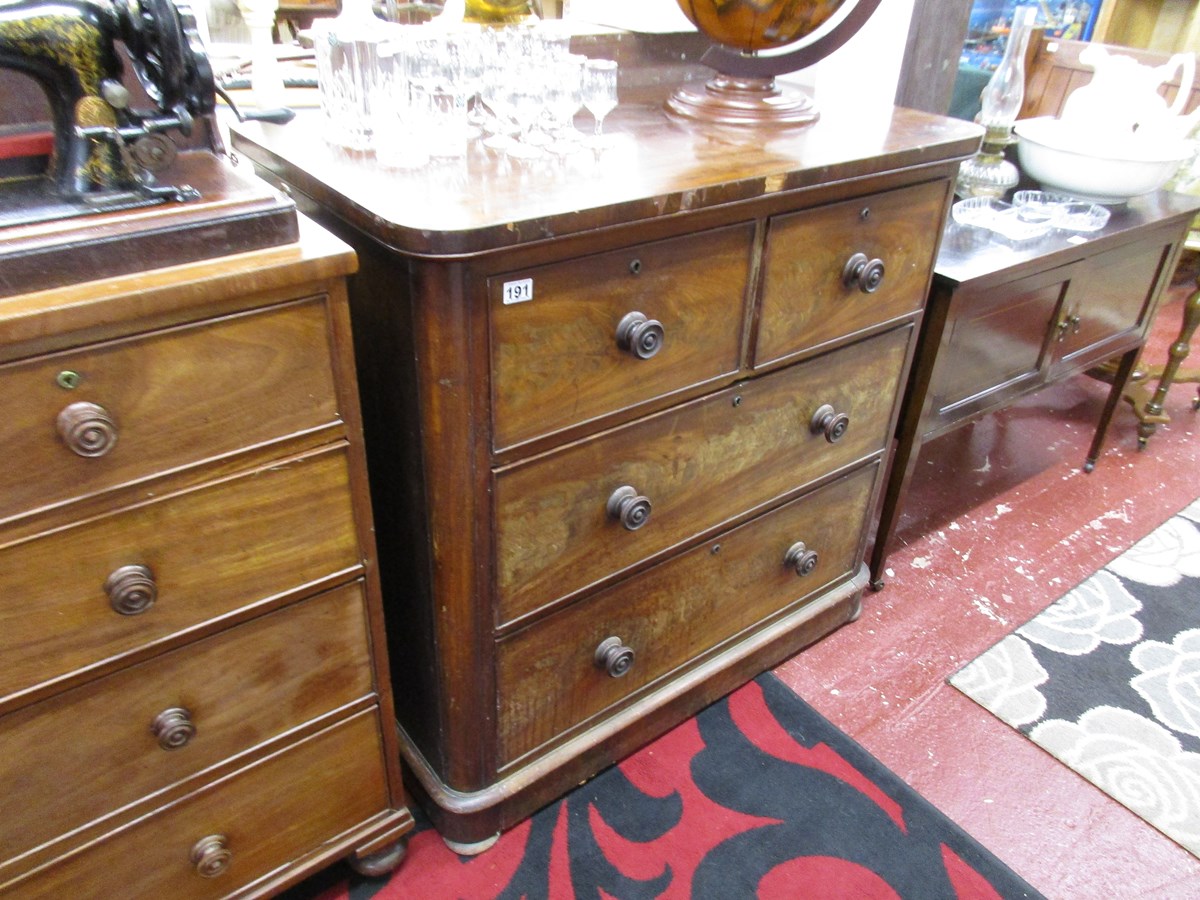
(173, 728)
(629, 508)
(87, 429)
(865, 274)
(833, 424)
(800, 558)
(131, 590)
(614, 657)
(211, 855)
(639, 336)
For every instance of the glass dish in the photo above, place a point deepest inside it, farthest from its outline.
(998, 217)
(1060, 211)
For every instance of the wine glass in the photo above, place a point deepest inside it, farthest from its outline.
(599, 91)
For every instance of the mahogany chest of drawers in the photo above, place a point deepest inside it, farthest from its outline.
(194, 700)
(626, 421)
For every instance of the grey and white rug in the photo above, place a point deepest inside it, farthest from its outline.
(1108, 679)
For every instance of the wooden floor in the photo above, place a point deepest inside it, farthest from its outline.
(999, 523)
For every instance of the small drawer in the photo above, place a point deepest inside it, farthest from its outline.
(569, 518)
(85, 595)
(563, 671)
(578, 339)
(77, 757)
(811, 294)
(88, 420)
(240, 829)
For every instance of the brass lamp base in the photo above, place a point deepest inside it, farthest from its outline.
(732, 100)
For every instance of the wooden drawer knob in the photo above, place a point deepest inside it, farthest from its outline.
(211, 855)
(131, 590)
(629, 508)
(865, 274)
(639, 336)
(614, 657)
(173, 728)
(830, 423)
(800, 558)
(87, 429)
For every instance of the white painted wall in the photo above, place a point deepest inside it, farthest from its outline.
(863, 73)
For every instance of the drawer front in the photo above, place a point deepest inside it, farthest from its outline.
(206, 552)
(559, 517)
(76, 757)
(159, 402)
(267, 815)
(548, 676)
(557, 359)
(806, 301)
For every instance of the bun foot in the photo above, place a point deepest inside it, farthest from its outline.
(379, 863)
(473, 848)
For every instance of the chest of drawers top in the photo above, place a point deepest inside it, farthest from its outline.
(657, 169)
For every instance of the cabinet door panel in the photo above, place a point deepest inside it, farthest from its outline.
(1107, 300)
(994, 341)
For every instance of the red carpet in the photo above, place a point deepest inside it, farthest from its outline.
(757, 796)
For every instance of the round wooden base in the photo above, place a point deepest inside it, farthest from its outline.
(730, 100)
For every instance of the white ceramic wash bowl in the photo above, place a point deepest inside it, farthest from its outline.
(1103, 167)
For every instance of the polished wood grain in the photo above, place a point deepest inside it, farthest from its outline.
(675, 613)
(237, 486)
(212, 551)
(556, 360)
(807, 303)
(660, 166)
(702, 465)
(334, 783)
(492, 429)
(176, 398)
(87, 752)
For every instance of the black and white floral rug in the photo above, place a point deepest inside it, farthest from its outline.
(1108, 679)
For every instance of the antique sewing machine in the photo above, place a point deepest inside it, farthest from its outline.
(136, 175)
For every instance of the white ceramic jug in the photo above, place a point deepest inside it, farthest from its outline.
(1123, 93)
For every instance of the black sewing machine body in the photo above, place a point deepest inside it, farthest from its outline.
(112, 133)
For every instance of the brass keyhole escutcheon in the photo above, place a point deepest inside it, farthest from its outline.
(68, 380)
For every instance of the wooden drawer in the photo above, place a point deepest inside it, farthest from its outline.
(209, 550)
(84, 753)
(269, 814)
(805, 302)
(548, 677)
(173, 398)
(700, 465)
(556, 359)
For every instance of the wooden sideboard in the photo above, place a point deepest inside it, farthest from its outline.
(626, 420)
(1004, 321)
(194, 700)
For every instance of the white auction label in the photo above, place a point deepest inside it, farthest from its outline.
(518, 291)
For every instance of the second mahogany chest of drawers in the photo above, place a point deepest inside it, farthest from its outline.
(626, 421)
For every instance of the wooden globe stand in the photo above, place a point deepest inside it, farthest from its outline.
(744, 90)
(732, 100)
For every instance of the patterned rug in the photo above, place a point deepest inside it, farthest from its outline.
(1108, 679)
(756, 796)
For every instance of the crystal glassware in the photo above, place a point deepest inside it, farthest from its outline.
(599, 90)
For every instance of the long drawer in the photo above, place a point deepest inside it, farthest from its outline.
(570, 518)
(809, 298)
(86, 594)
(557, 358)
(239, 829)
(84, 421)
(555, 674)
(77, 757)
